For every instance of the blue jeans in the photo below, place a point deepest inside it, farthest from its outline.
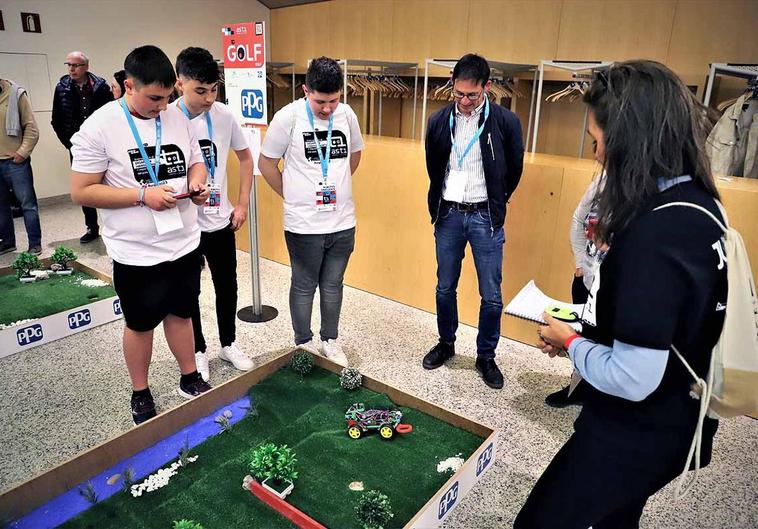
(318, 260)
(18, 177)
(451, 233)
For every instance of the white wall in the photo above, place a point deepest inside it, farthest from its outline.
(106, 30)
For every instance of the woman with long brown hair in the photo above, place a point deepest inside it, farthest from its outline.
(662, 285)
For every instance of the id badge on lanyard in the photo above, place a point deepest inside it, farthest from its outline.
(457, 177)
(212, 206)
(326, 193)
(167, 220)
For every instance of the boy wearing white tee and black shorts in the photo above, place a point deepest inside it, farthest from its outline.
(139, 162)
(321, 143)
(219, 133)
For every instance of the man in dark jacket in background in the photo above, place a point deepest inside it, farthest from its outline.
(77, 96)
(474, 157)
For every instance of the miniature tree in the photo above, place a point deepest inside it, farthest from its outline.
(373, 510)
(275, 462)
(25, 263)
(187, 524)
(301, 362)
(62, 256)
(350, 379)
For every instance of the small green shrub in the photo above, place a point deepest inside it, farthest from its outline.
(25, 263)
(275, 462)
(63, 256)
(350, 379)
(301, 362)
(187, 524)
(373, 510)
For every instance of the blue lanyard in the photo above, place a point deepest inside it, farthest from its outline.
(458, 156)
(153, 172)
(324, 161)
(209, 164)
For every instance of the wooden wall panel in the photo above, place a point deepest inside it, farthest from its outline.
(361, 30)
(424, 29)
(615, 29)
(707, 31)
(300, 33)
(525, 31)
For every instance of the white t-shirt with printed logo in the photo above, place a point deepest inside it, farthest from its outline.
(105, 143)
(290, 136)
(227, 135)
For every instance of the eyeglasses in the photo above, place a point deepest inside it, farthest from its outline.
(74, 64)
(471, 96)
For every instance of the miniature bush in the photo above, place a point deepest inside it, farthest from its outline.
(301, 362)
(373, 510)
(275, 462)
(350, 379)
(187, 524)
(25, 263)
(63, 256)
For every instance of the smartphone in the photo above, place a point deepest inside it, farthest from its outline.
(187, 195)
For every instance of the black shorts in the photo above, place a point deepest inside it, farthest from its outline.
(150, 293)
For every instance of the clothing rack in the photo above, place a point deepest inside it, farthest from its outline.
(381, 68)
(744, 71)
(539, 77)
(504, 69)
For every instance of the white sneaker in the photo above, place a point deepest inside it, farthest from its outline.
(333, 351)
(236, 357)
(309, 346)
(201, 364)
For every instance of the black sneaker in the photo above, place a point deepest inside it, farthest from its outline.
(561, 398)
(490, 372)
(439, 354)
(90, 236)
(36, 250)
(7, 248)
(194, 388)
(143, 408)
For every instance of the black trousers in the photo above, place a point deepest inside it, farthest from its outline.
(220, 253)
(603, 476)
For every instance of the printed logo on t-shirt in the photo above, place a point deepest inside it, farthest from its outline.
(173, 164)
(205, 146)
(721, 251)
(339, 144)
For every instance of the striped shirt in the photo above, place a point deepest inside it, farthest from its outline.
(465, 129)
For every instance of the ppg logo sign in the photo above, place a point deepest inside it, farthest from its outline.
(79, 319)
(30, 334)
(116, 307)
(484, 460)
(252, 104)
(448, 501)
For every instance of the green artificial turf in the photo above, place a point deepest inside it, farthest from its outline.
(21, 301)
(308, 415)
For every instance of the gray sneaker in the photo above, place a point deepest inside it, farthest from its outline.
(36, 250)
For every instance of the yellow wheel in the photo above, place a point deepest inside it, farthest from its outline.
(354, 432)
(387, 432)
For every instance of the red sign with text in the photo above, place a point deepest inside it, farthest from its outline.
(244, 45)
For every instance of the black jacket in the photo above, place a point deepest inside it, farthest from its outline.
(502, 157)
(67, 116)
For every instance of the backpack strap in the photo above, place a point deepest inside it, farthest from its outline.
(702, 389)
(724, 228)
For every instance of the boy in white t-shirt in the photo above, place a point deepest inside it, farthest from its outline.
(218, 132)
(316, 184)
(149, 221)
